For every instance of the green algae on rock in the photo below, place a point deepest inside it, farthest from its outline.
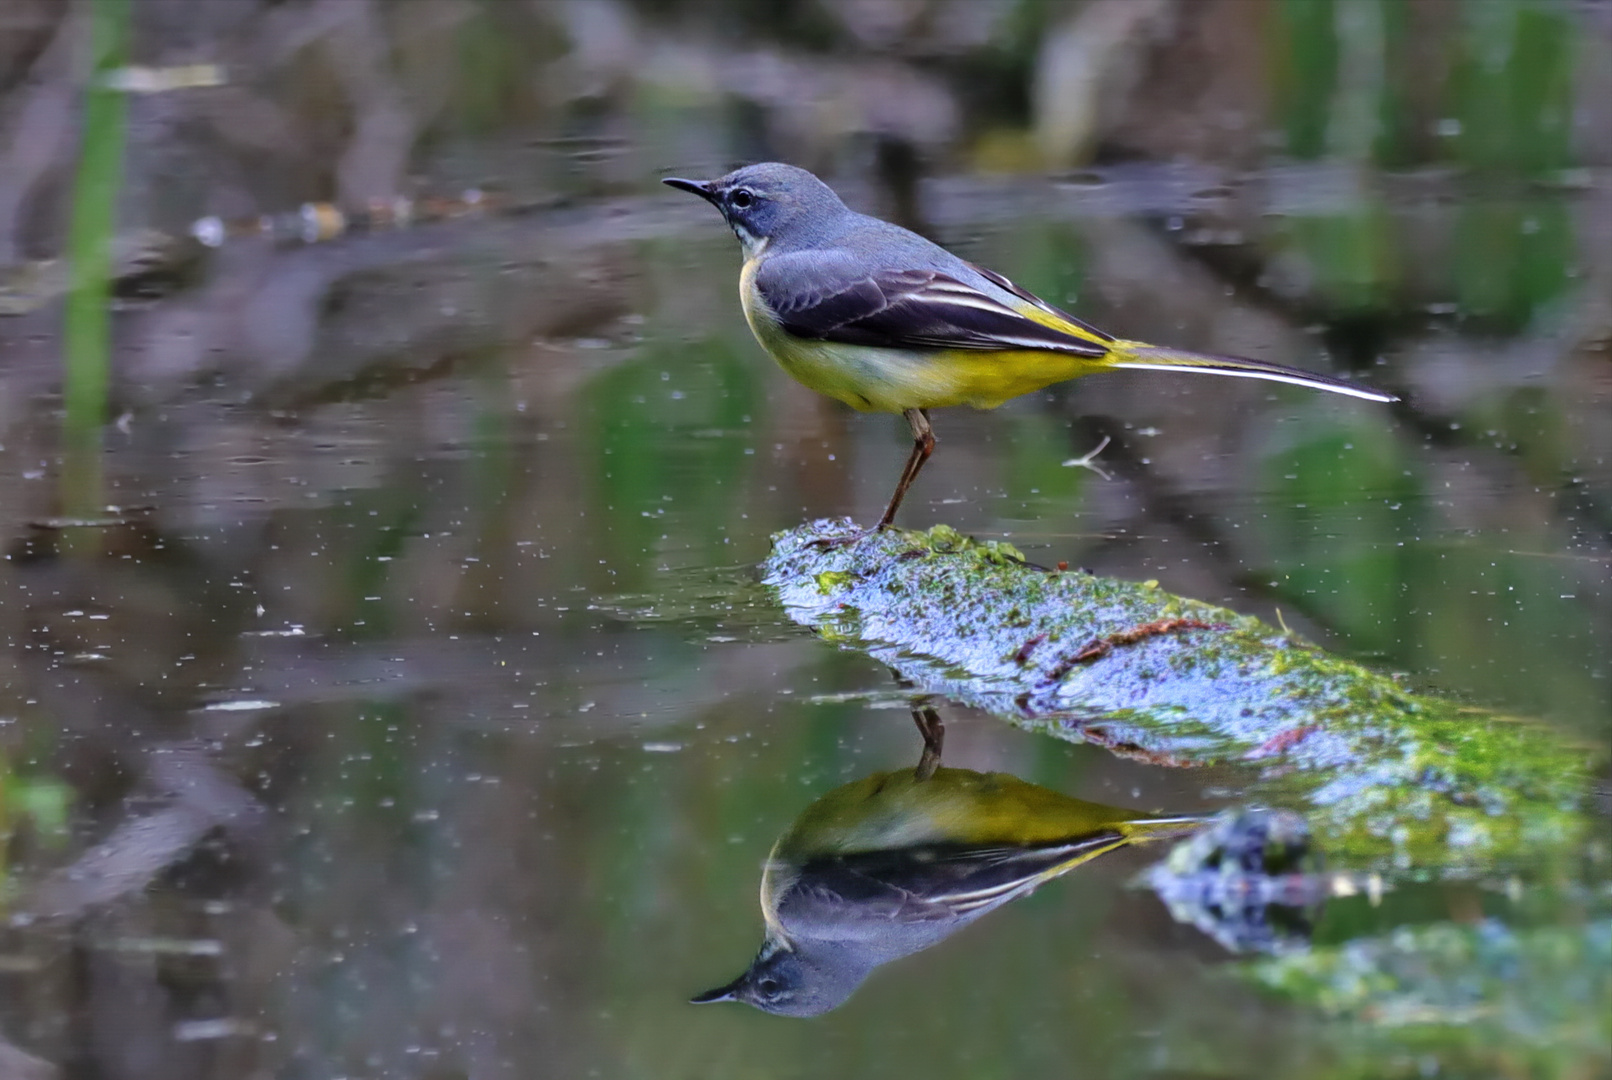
(1392, 779)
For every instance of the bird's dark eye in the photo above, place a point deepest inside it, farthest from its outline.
(768, 987)
(743, 198)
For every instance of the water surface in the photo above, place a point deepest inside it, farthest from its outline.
(412, 707)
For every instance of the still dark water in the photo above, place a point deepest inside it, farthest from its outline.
(436, 726)
(391, 690)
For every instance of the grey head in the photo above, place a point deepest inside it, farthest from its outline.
(788, 981)
(772, 203)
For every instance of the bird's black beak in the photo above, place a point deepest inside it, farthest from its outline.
(721, 993)
(702, 188)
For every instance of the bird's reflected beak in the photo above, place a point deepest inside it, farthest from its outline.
(721, 993)
(702, 188)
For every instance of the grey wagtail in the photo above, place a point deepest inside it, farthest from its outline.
(896, 862)
(885, 321)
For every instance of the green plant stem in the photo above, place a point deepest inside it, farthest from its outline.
(87, 335)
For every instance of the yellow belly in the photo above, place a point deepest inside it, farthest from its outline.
(894, 380)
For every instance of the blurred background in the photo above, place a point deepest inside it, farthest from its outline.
(384, 690)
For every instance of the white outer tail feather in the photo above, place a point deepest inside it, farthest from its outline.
(1363, 392)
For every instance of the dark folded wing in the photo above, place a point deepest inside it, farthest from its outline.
(1030, 297)
(929, 883)
(824, 298)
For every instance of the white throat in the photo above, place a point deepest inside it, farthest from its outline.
(753, 245)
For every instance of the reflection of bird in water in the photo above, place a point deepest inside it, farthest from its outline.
(895, 862)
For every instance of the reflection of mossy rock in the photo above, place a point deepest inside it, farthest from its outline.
(1249, 880)
(1480, 999)
(1394, 779)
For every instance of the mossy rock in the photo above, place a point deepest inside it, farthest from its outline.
(1391, 779)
